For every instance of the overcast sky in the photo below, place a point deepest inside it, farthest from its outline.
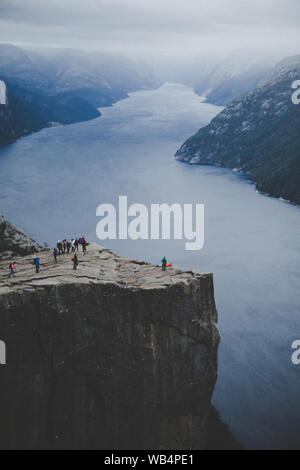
(152, 26)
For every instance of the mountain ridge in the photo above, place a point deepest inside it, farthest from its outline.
(259, 135)
(65, 87)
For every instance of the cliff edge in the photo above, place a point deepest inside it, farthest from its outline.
(114, 355)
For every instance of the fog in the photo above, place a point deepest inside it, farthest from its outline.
(153, 28)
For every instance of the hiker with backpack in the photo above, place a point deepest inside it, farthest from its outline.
(75, 261)
(59, 247)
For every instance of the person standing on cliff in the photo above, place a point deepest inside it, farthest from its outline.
(59, 247)
(55, 253)
(84, 244)
(164, 264)
(33, 250)
(12, 269)
(75, 261)
(37, 264)
(69, 246)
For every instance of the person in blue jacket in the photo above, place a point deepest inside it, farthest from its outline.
(37, 264)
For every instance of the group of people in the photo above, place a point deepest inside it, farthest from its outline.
(36, 263)
(70, 246)
(67, 246)
(64, 247)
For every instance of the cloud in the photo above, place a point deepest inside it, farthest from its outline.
(164, 26)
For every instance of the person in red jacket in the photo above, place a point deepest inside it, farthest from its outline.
(84, 244)
(12, 269)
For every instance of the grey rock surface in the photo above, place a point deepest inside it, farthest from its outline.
(115, 355)
(13, 241)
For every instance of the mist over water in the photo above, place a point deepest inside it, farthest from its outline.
(52, 182)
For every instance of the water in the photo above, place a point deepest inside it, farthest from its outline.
(52, 182)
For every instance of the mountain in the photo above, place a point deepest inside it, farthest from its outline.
(258, 134)
(62, 87)
(17, 68)
(101, 78)
(28, 111)
(223, 81)
(285, 65)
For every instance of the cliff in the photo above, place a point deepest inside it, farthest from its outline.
(116, 354)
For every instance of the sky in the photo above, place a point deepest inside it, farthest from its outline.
(146, 27)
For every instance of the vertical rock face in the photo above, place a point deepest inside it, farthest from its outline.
(117, 355)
